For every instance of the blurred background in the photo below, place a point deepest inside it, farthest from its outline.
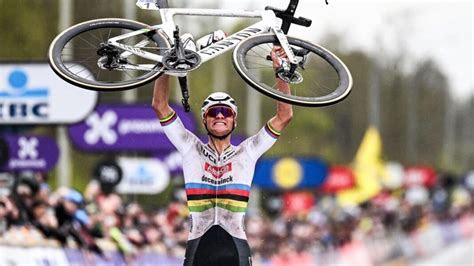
(384, 177)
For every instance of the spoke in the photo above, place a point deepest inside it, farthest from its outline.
(259, 55)
(260, 64)
(94, 36)
(128, 74)
(266, 51)
(270, 47)
(78, 48)
(86, 41)
(313, 85)
(319, 85)
(108, 35)
(80, 54)
(101, 37)
(86, 60)
(69, 68)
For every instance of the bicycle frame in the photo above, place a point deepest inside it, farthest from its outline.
(267, 23)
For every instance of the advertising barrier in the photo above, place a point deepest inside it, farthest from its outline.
(290, 173)
(142, 176)
(33, 94)
(420, 176)
(61, 257)
(125, 128)
(339, 178)
(36, 153)
(384, 249)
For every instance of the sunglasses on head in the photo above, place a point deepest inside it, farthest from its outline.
(216, 110)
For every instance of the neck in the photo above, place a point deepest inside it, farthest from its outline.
(219, 144)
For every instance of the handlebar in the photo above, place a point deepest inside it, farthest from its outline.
(287, 15)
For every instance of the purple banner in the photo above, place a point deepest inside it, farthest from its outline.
(37, 153)
(125, 128)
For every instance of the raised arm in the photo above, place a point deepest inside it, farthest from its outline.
(161, 94)
(284, 112)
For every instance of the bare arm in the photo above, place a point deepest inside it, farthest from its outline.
(284, 112)
(161, 94)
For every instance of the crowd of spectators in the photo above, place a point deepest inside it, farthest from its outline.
(98, 220)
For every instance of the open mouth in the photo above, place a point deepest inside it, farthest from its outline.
(219, 123)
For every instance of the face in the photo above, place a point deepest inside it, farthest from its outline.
(219, 120)
(70, 206)
(39, 211)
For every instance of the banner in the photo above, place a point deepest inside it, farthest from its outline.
(36, 153)
(125, 128)
(109, 174)
(297, 203)
(142, 176)
(339, 178)
(32, 256)
(420, 176)
(76, 257)
(290, 173)
(368, 170)
(33, 94)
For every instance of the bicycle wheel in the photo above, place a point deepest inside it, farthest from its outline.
(323, 79)
(74, 55)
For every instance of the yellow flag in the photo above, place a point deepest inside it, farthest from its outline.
(368, 169)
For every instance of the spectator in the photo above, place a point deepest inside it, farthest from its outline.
(324, 231)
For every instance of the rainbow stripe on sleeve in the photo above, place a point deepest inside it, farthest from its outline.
(168, 119)
(232, 197)
(271, 131)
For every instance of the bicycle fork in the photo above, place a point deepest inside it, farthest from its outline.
(285, 45)
(287, 70)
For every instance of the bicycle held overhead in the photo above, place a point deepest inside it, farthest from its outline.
(118, 54)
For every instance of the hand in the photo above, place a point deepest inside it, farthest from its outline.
(278, 54)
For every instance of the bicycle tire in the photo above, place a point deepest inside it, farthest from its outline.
(60, 65)
(253, 47)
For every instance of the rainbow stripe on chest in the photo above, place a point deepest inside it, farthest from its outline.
(232, 197)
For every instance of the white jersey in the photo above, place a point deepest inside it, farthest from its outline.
(217, 186)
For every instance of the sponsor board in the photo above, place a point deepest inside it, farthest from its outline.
(33, 94)
(290, 173)
(124, 128)
(37, 153)
(142, 176)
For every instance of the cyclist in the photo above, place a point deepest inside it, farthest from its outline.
(218, 175)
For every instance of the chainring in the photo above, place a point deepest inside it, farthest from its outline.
(191, 61)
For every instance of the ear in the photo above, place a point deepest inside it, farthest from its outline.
(235, 122)
(204, 121)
